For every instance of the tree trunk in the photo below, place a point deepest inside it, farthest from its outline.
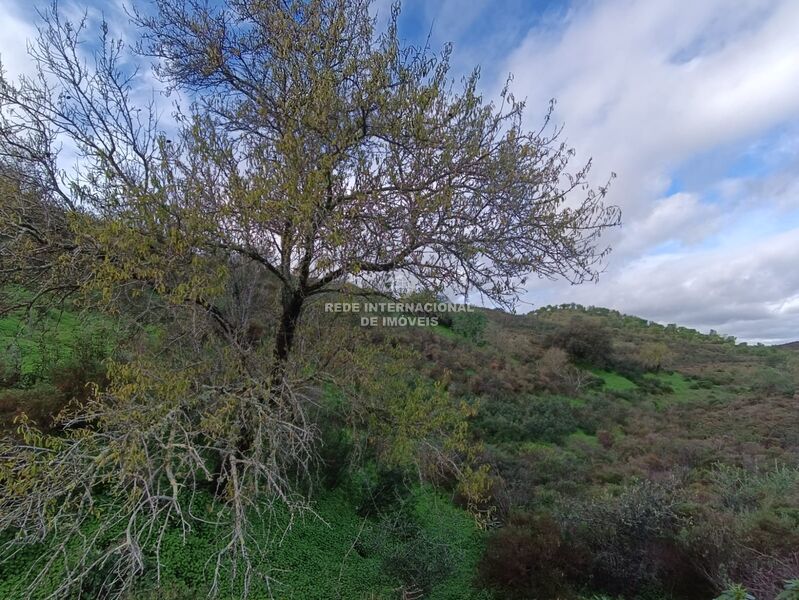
(292, 307)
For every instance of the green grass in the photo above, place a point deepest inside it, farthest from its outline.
(529, 446)
(614, 381)
(319, 557)
(676, 381)
(685, 391)
(446, 332)
(581, 437)
(35, 343)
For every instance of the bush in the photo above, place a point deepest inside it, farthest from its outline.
(585, 340)
(471, 325)
(558, 375)
(632, 539)
(407, 551)
(539, 472)
(654, 355)
(10, 367)
(791, 590)
(773, 381)
(84, 366)
(526, 419)
(40, 402)
(529, 558)
(735, 592)
(375, 490)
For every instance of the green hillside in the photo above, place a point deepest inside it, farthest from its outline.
(624, 458)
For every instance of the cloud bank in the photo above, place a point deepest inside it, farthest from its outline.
(695, 106)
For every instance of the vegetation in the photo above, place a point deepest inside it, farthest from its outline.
(670, 484)
(319, 157)
(182, 416)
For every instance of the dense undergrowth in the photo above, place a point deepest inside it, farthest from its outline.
(625, 458)
(336, 551)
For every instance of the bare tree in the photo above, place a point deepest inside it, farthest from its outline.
(363, 159)
(316, 152)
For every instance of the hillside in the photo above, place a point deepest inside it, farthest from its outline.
(653, 457)
(623, 457)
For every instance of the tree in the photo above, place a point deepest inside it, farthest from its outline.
(654, 355)
(317, 150)
(471, 325)
(316, 154)
(585, 340)
(556, 372)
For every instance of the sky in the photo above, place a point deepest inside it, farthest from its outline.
(695, 107)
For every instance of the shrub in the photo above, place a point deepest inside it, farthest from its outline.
(790, 591)
(471, 325)
(586, 340)
(773, 381)
(83, 367)
(526, 419)
(10, 367)
(375, 490)
(557, 374)
(529, 558)
(654, 355)
(735, 592)
(40, 402)
(408, 553)
(632, 539)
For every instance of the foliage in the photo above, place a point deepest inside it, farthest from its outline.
(790, 591)
(470, 325)
(330, 553)
(654, 355)
(318, 154)
(627, 533)
(528, 558)
(585, 340)
(38, 344)
(614, 382)
(774, 381)
(735, 592)
(556, 373)
(536, 418)
(405, 418)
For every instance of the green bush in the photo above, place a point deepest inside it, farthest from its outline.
(790, 591)
(631, 538)
(526, 419)
(735, 592)
(471, 325)
(586, 340)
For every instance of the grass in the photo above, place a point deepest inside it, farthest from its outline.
(322, 555)
(677, 382)
(34, 344)
(613, 381)
(446, 332)
(581, 437)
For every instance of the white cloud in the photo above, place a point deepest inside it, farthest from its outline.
(645, 87)
(681, 218)
(751, 291)
(13, 42)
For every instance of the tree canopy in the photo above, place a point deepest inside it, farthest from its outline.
(311, 154)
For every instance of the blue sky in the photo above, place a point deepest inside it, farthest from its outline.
(695, 105)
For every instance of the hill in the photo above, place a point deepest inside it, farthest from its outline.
(622, 457)
(640, 456)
